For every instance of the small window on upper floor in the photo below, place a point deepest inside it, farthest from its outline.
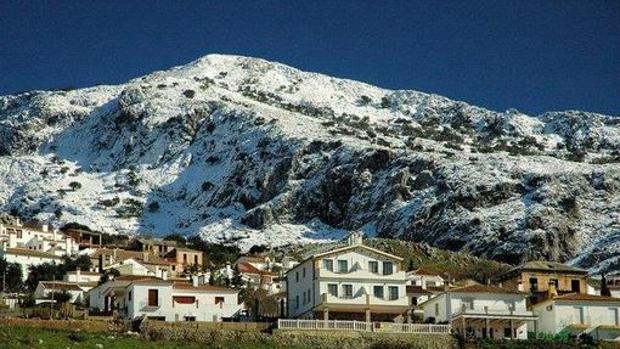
(373, 267)
(388, 268)
(328, 264)
(296, 276)
(303, 273)
(343, 266)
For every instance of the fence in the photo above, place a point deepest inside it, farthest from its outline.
(340, 325)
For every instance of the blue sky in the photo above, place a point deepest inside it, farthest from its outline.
(531, 55)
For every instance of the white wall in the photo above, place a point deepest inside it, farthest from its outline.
(26, 261)
(297, 285)
(204, 310)
(555, 316)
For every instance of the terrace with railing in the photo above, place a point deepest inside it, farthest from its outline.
(360, 326)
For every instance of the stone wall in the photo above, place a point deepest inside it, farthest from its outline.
(69, 325)
(304, 339)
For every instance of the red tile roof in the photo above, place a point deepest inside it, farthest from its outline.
(586, 297)
(484, 289)
(189, 286)
(28, 252)
(417, 289)
(247, 268)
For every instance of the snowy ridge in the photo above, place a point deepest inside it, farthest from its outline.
(248, 151)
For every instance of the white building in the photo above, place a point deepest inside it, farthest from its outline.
(577, 313)
(165, 300)
(424, 278)
(483, 311)
(354, 282)
(102, 298)
(81, 276)
(27, 258)
(42, 238)
(77, 290)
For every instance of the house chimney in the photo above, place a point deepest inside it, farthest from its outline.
(45, 228)
(68, 246)
(552, 291)
(355, 238)
(12, 240)
(195, 280)
(164, 275)
(78, 274)
(423, 282)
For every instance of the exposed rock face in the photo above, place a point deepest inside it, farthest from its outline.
(244, 150)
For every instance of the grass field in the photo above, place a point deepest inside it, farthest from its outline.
(28, 337)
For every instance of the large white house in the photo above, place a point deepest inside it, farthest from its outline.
(483, 311)
(26, 258)
(77, 290)
(166, 300)
(577, 313)
(354, 282)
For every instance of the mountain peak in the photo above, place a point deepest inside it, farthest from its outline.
(246, 151)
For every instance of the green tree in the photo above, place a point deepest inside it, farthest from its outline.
(178, 238)
(604, 287)
(237, 280)
(61, 297)
(108, 275)
(43, 272)
(11, 276)
(75, 185)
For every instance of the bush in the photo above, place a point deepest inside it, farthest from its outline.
(75, 185)
(364, 100)
(77, 337)
(189, 93)
(154, 206)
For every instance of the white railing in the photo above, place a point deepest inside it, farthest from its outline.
(342, 325)
(393, 327)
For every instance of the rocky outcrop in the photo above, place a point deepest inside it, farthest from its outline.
(252, 152)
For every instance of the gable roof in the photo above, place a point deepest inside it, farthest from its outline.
(478, 288)
(32, 253)
(68, 286)
(547, 266)
(121, 254)
(353, 247)
(247, 268)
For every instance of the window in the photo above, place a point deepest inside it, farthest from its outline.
(303, 273)
(554, 282)
(388, 268)
(347, 291)
(414, 300)
(393, 292)
(184, 258)
(153, 298)
(304, 294)
(436, 309)
(507, 332)
(328, 264)
(296, 301)
(195, 259)
(343, 266)
(579, 315)
(431, 284)
(296, 276)
(575, 286)
(189, 318)
(129, 295)
(377, 291)
(373, 267)
(332, 289)
(309, 299)
(613, 316)
(184, 299)
(534, 284)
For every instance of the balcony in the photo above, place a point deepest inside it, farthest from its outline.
(486, 312)
(360, 274)
(364, 300)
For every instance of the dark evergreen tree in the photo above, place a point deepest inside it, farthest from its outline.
(604, 287)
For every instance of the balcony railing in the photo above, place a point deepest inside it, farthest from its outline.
(340, 325)
(492, 312)
(364, 300)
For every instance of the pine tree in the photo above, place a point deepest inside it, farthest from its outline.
(604, 288)
(237, 280)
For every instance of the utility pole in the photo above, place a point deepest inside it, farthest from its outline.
(52, 302)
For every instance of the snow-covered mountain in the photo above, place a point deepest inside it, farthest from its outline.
(245, 150)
